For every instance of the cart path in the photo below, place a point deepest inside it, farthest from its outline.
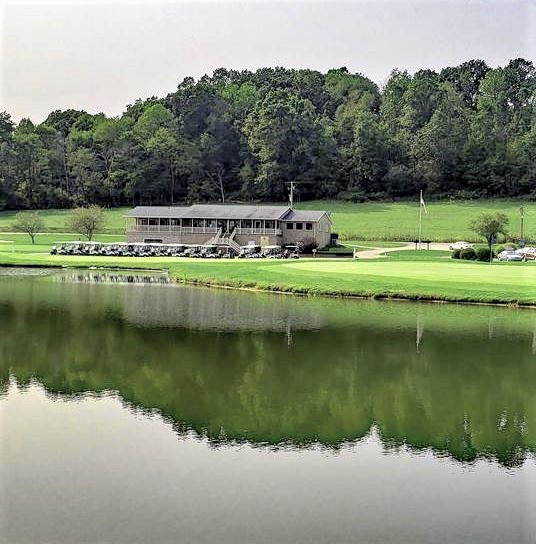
(374, 253)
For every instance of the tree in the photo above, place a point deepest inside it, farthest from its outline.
(87, 221)
(489, 225)
(29, 222)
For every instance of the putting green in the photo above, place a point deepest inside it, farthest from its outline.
(523, 276)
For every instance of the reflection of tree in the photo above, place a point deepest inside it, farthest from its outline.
(465, 398)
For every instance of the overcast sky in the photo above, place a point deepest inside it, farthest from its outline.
(100, 56)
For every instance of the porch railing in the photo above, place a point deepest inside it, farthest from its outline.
(273, 232)
(172, 228)
(200, 230)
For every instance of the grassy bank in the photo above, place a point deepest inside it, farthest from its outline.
(410, 275)
(387, 221)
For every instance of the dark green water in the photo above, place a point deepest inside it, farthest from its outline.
(148, 412)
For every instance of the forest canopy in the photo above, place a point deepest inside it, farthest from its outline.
(468, 131)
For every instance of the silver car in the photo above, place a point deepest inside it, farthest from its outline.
(509, 255)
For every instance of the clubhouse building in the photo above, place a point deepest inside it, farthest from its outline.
(231, 225)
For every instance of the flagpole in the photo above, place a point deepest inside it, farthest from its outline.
(420, 220)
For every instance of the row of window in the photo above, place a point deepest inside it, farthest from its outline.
(299, 226)
(245, 223)
(214, 223)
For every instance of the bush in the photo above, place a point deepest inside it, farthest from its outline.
(468, 254)
(456, 254)
(483, 254)
(307, 245)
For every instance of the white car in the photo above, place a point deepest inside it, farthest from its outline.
(459, 245)
(509, 255)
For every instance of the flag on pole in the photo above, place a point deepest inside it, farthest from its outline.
(423, 205)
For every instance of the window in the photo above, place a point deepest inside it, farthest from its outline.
(164, 221)
(299, 226)
(153, 221)
(290, 226)
(308, 226)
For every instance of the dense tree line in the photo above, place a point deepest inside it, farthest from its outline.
(468, 131)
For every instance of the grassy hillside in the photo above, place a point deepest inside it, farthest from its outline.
(445, 221)
(57, 220)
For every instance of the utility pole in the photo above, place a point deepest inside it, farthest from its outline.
(522, 224)
(291, 194)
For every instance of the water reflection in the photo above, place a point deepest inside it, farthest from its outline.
(90, 276)
(272, 370)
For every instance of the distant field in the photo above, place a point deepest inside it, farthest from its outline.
(57, 220)
(445, 221)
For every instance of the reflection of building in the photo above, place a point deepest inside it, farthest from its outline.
(227, 225)
(207, 309)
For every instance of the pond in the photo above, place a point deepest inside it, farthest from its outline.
(133, 410)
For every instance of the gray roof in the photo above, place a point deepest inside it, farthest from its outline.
(211, 211)
(305, 215)
(227, 211)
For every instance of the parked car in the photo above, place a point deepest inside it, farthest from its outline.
(527, 253)
(459, 245)
(509, 255)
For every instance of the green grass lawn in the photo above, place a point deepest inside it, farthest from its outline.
(445, 221)
(57, 220)
(386, 221)
(16, 242)
(427, 275)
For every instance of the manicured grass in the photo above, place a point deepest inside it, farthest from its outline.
(57, 220)
(434, 276)
(445, 221)
(370, 244)
(17, 242)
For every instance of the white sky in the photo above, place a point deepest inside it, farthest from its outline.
(100, 56)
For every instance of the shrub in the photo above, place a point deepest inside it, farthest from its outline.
(483, 254)
(456, 254)
(307, 245)
(468, 254)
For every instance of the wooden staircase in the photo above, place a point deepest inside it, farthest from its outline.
(226, 240)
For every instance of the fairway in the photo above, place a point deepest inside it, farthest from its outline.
(58, 220)
(523, 277)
